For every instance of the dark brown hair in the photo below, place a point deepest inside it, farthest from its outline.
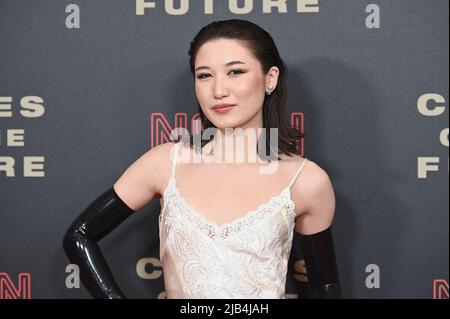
(263, 48)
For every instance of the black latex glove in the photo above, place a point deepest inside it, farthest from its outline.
(321, 267)
(104, 214)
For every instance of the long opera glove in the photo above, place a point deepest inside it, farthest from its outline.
(103, 215)
(321, 267)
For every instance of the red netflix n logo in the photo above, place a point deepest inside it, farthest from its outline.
(440, 289)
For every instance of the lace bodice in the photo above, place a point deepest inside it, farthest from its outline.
(247, 258)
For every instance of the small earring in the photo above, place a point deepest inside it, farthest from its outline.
(270, 90)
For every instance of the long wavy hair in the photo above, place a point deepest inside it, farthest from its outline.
(263, 48)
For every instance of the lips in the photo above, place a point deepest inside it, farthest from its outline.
(222, 106)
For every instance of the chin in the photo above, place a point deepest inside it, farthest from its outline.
(225, 123)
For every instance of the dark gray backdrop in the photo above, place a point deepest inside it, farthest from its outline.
(357, 87)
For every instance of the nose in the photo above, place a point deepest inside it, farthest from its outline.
(220, 88)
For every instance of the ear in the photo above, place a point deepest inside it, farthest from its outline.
(272, 78)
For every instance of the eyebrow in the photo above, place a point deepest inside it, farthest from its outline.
(228, 64)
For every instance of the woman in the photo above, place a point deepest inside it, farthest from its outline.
(225, 230)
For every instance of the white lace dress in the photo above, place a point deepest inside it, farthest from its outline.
(247, 258)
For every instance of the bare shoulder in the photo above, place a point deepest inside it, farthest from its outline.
(145, 178)
(314, 199)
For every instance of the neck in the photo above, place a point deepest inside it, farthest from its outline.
(236, 145)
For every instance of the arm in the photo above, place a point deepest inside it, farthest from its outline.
(320, 261)
(136, 187)
(316, 195)
(80, 243)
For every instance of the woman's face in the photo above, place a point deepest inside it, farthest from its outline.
(242, 84)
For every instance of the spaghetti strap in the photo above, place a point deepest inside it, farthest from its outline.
(297, 172)
(174, 157)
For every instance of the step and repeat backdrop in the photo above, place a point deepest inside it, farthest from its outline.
(87, 86)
